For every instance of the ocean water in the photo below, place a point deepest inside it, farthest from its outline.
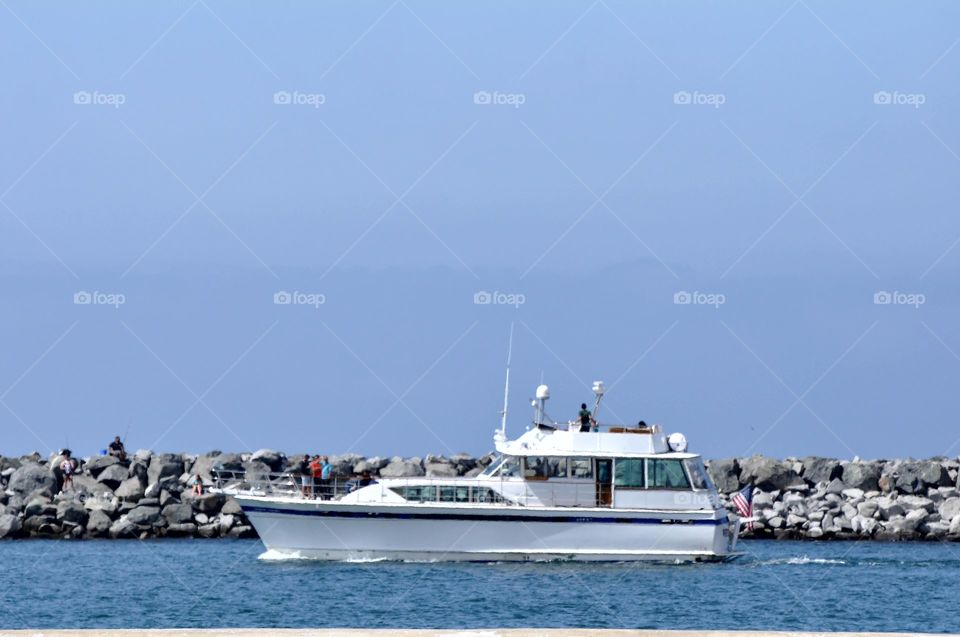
(217, 583)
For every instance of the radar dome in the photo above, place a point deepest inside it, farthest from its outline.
(677, 442)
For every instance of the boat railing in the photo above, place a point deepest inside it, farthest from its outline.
(504, 491)
(574, 425)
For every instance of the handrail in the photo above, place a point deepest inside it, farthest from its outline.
(502, 491)
(574, 426)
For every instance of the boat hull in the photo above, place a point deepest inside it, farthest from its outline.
(333, 531)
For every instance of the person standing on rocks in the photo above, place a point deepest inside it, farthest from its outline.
(67, 467)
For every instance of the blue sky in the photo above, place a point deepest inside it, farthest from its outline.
(788, 168)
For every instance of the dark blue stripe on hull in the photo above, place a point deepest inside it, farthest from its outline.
(331, 513)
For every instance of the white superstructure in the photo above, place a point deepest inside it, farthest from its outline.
(558, 491)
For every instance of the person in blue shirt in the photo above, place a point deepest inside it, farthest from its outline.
(326, 469)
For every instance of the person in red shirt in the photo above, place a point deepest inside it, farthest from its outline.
(316, 471)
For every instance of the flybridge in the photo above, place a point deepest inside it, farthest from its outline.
(574, 438)
(617, 441)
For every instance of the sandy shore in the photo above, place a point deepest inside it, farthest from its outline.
(344, 632)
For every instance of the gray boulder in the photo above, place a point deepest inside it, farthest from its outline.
(816, 469)
(464, 462)
(230, 507)
(441, 469)
(108, 505)
(269, 457)
(344, 465)
(39, 505)
(373, 465)
(178, 513)
(861, 475)
(209, 530)
(221, 461)
(112, 475)
(206, 503)
(32, 478)
(226, 521)
(949, 509)
(915, 477)
(98, 524)
(768, 474)
(242, 530)
(725, 474)
(123, 528)
(399, 468)
(912, 502)
(14, 504)
(72, 512)
(164, 467)
(83, 483)
(96, 465)
(186, 529)
(131, 489)
(889, 508)
(148, 516)
(9, 525)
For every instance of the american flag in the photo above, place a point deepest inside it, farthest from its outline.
(743, 500)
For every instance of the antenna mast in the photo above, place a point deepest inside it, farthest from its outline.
(506, 385)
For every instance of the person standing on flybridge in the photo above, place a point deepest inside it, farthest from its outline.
(587, 421)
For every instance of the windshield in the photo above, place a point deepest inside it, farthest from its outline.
(492, 467)
(698, 474)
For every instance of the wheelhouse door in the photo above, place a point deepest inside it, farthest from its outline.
(604, 482)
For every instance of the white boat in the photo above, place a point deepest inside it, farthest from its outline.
(557, 492)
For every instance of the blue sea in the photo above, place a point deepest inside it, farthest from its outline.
(778, 585)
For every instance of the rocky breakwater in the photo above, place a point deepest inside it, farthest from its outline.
(149, 495)
(823, 498)
(144, 496)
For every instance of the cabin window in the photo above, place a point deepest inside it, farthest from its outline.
(628, 473)
(581, 468)
(698, 473)
(666, 474)
(486, 496)
(543, 468)
(510, 468)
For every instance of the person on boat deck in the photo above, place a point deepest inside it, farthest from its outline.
(366, 479)
(325, 470)
(587, 422)
(316, 473)
(117, 450)
(306, 480)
